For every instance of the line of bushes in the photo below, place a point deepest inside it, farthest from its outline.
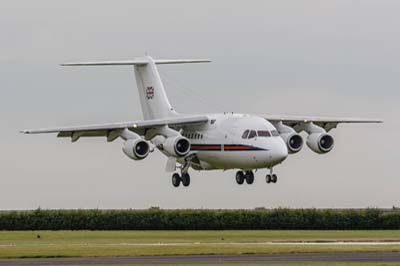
(156, 219)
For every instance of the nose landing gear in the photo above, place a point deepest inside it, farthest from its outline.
(271, 178)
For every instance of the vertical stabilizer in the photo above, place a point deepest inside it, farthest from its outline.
(153, 98)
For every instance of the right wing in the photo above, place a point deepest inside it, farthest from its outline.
(112, 130)
(327, 123)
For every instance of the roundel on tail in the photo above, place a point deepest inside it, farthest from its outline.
(150, 92)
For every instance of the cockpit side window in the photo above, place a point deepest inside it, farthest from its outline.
(263, 133)
(245, 134)
(252, 134)
(274, 133)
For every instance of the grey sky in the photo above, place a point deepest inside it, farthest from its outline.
(336, 58)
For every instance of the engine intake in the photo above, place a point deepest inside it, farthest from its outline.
(294, 141)
(177, 146)
(136, 149)
(320, 142)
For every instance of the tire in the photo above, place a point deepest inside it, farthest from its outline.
(185, 179)
(176, 180)
(274, 178)
(268, 179)
(239, 177)
(249, 177)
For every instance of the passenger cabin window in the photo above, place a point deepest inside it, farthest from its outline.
(274, 133)
(245, 134)
(263, 133)
(252, 134)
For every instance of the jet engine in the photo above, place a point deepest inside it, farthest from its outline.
(320, 142)
(136, 149)
(294, 141)
(177, 146)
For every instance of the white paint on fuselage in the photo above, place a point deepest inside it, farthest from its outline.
(227, 130)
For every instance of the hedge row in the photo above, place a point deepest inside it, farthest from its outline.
(156, 219)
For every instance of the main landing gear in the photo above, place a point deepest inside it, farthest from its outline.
(242, 176)
(184, 178)
(248, 176)
(177, 179)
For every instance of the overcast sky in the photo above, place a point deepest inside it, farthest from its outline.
(333, 58)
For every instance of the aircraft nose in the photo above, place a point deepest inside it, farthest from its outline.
(279, 152)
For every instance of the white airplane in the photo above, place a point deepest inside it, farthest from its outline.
(204, 142)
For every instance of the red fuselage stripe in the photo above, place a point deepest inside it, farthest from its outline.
(206, 147)
(236, 148)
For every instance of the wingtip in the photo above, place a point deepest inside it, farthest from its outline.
(375, 120)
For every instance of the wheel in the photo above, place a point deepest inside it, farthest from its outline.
(274, 178)
(176, 180)
(249, 177)
(239, 177)
(268, 178)
(185, 179)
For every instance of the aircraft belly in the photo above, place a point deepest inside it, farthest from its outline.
(234, 159)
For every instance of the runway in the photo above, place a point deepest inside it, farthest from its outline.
(185, 259)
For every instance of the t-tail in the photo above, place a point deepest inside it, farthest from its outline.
(153, 98)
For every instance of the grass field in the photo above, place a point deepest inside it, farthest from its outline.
(14, 244)
(281, 264)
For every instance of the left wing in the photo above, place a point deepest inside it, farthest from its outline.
(112, 130)
(327, 123)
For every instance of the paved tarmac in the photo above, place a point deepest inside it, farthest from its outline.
(185, 259)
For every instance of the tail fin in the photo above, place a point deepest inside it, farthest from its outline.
(153, 98)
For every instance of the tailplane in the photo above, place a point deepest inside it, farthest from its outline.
(153, 98)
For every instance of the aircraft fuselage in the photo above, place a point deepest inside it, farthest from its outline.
(235, 141)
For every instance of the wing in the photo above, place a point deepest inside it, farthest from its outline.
(111, 131)
(327, 123)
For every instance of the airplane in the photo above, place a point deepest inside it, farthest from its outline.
(220, 141)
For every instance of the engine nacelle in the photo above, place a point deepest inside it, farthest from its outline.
(294, 141)
(320, 142)
(136, 149)
(176, 146)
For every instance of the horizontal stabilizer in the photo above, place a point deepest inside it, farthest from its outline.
(139, 61)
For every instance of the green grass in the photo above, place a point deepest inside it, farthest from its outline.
(124, 243)
(71, 237)
(282, 264)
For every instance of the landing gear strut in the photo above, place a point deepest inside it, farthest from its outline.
(271, 178)
(242, 176)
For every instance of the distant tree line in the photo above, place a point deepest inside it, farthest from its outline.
(158, 219)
